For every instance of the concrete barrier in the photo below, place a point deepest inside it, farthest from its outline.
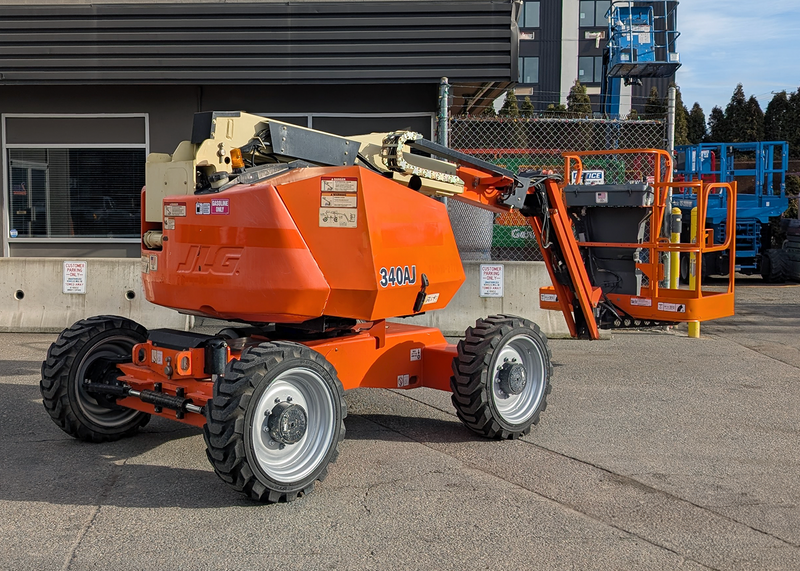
(34, 302)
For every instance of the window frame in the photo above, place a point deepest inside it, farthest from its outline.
(5, 146)
(538, 15)
(521, 64)
(597, 69)
(594, 15)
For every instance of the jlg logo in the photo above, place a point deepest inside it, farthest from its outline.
(215, 260)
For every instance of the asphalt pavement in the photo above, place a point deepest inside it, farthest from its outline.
(656, 451)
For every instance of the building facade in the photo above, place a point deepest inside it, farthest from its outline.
(88, 89)
(563, 40)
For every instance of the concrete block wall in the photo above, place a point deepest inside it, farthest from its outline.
(33, 300)
(31, 289)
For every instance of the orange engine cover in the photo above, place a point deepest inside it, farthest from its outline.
(340, 242)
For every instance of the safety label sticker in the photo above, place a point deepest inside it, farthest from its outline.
(550, 297)
(153, 263)
(145, 264)
(220, 206)
(402, 381)
(175, 209)
(431, 298)
(642, 302)
(169, 224)
(157, 357)
(339, 199)
(202, 208)
(416, 354)
(674, 307)
(339, 184)
(338, 218)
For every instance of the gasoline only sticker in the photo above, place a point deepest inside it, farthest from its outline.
(674, 307)
(220, 206)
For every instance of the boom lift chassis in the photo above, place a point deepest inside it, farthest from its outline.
(269, 395)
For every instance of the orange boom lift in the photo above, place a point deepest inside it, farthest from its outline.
(311, 242)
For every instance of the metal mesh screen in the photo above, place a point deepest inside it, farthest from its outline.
(535, 144)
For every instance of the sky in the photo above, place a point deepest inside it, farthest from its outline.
(725, 42)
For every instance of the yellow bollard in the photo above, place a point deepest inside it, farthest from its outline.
(675, 257)
(694, 326)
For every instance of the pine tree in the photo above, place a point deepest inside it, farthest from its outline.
(681, 120)
(736, 117)
(510, 107)
(527, 109)
(696, 128)
(777, 118)
(717, 126)
(753, 124)
(556, 110)
(578, 102)
(654, 108)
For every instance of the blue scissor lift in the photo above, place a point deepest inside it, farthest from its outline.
(760, 172)
(641, 44)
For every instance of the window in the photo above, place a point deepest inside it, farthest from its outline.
(530, 15)
(67, 180)
(593, 13)
(590, 69)
(528, 70)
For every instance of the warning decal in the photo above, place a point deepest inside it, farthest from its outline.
(642, 302)
(674, 307)
(338, 218)
(338, 202)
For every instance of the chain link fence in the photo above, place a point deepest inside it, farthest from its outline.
(536, 144)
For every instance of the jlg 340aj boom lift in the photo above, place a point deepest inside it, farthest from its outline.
(312, 242)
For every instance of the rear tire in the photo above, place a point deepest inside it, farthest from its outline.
(275, 422)
(91, 349)
(773, 266)
(492, 395)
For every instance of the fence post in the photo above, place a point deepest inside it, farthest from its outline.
(444, 98)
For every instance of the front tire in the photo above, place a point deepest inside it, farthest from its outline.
(275, 422)
(501, 376)
(91, 349)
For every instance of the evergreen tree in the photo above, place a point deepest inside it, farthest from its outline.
(489, 111)
(777, 118)
(681, 120)
(578, 102)
(556, 110)
(793, 124)
(654, 108)
(696, 128)
(527, 109)
(736, 117)
(510, 107)
(753, 124)
(717, 126)
(633, 115)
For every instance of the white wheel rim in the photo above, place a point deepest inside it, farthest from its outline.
(518, 409)
(290, 463)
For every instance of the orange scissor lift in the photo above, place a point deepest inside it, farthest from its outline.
(310, 242)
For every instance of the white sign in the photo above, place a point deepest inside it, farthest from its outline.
(491, 280)
(74, 277)
(594, 177)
